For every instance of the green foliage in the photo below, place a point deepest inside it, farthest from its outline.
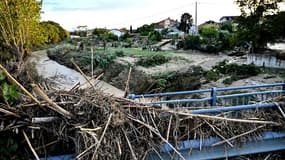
(186, 22)
(10, 92)
(145, 29)
(164, 31)
(227, 39)
(228, 81)
(162, 83)
(104, 34)
(119, 53)
(155, 36)
(227, 26)
(208, 32)
(8, 148)
(212, 76)
(20, 26)
(233, 70)
(190, 42)
(99, 31)
(110, 36)
(254, 24)
(53, 32)
(2, 76)
(103, 60)
(242, 71)
(125, 36)
(153, 60)
(257, 8)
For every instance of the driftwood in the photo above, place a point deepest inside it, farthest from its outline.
(53, 105)
(19, 85)
(99, 126)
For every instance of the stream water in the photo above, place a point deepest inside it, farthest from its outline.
(64, 78)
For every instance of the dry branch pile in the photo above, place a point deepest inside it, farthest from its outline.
(100, 126)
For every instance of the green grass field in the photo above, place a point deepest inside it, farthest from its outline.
(132, 51)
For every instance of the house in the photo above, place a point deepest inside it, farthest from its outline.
(117, 32)
(228, 19)
(166, 23)
(173, 31)
(209, 23)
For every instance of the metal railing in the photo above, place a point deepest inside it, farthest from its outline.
(222, 100)
(229, 96)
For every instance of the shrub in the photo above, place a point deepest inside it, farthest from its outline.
(233, 69)
(192, 42)
(154, 36)
(208, 32)
(212, 76)
(103, 60)
(119, 54)
(228, 81)
(153, 60)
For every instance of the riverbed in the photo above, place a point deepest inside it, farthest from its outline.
(61, 77)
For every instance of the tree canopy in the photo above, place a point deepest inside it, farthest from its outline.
(145, 29)
(53, 32)
(255, 24)
(257, 8)
(19, 26)
(185, 22)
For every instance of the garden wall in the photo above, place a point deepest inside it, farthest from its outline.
(266, 60)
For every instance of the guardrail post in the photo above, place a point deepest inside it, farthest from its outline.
(132, 96)
(214, 96)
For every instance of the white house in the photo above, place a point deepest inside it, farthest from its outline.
(227, 19)
(117, 32)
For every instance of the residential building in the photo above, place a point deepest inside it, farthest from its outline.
(209, 23)
(117, 32)
(227, 19)
(166, 23)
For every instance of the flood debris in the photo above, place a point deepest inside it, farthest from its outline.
(100, 126)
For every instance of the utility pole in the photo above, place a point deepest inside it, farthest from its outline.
(196, 16)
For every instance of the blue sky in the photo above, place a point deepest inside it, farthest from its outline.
(123, 13)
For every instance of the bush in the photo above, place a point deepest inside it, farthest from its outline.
(228, 81)
(192, 42)
(212, 76)
(154, 36)
(208, 32)
(103, 60)
(238, 71)
(119, 54)
(153, 60)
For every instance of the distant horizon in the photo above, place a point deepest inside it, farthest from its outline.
(112, 14)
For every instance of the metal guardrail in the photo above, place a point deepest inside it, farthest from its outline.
(230, 99)
(223, 100)
(267, 142)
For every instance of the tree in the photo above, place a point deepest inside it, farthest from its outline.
(227, 26)
(19, 26)
(253, 25)
(258, 8)
(145, 29)
(53, 32)
(209, 32)
(186, 22)
(154, 36)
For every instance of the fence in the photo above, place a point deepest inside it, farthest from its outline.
(229, 96)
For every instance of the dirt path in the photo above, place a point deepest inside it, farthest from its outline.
(184, 59)
(64, 78)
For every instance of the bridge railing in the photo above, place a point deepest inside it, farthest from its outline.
(229, 96)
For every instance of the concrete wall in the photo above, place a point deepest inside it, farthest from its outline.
(265, 60)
